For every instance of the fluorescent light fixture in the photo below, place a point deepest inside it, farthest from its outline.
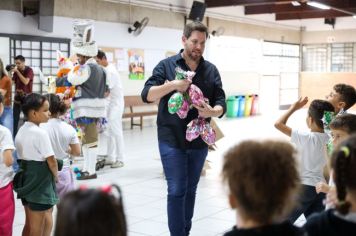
(296, 3)
(354, 16)
(318, 5)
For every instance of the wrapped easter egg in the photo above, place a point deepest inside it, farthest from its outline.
(184, 109)
(196, 95)
(193, 130)
(175, 102)
(180, 74)
(208, 134)
(189, 75)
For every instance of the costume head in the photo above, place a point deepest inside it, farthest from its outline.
(82, 41)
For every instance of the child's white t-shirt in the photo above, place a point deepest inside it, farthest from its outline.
(6, 143)
(32, 143)
(61, 135)
(311, 148)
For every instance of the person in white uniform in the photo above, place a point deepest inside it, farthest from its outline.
(113, 136)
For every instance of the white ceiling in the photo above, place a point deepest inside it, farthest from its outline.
(236, 13)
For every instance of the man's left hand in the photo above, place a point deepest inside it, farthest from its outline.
(205, 110)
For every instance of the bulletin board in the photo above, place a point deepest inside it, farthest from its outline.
(117, 56)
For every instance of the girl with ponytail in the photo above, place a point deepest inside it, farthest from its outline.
(341, 220)
(64, 141)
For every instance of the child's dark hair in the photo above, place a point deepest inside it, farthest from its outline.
(91, 212)
(32, 101)
(316, 111)
(343, 163)
(263, 177)
(56, 105)
(346, 122)
(347, 94)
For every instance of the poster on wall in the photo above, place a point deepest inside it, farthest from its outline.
(136, 64)
(116, 56)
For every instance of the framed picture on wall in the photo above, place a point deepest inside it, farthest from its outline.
(136, 64)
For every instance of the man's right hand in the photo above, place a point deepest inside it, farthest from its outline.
(181, 85)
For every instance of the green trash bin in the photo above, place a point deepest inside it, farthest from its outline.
(232, 106)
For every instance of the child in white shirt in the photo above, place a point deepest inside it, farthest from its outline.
(312, 149)
(35, 180)
(64, 142)
(7, 203)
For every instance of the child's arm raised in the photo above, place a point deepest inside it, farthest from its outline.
(53, 166)
(281, 123)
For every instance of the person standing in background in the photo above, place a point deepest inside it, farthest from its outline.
(22, 76)
(111, 141)
(6, 119)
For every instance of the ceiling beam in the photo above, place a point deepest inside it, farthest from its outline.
(289, 8)
(280, 8)
(310, 15)
(228, 3)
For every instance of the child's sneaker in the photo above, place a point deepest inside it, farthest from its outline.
(117, 164)
(85, 175)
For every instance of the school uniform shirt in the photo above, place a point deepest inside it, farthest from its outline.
(6, 143)
(311, 148)
(281, 229)
(61, 136)
(330, 223)
(32, 143)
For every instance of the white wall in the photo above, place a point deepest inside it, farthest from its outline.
(155, 41)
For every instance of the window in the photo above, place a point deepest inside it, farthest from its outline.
(282, 60)
(40, 54)
(341, 57)
(315, 58)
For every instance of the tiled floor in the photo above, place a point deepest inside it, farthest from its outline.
(144, 189)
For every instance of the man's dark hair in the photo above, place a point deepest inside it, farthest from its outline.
(195, 26)
(101, 54)
(316, 111)
(20, 58)
(347, 94)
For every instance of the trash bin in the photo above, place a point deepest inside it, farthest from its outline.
(241, 102)
(248, 105)
(254, 107)
(232, 106)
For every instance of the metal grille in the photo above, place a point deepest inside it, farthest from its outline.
(40, 54)
(315, 58)
(341, 57)
(283, 60)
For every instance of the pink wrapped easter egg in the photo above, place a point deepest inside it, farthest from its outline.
(183, 110)
(193, 130)
(189, 75)
(208, 134)
(196, 95)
